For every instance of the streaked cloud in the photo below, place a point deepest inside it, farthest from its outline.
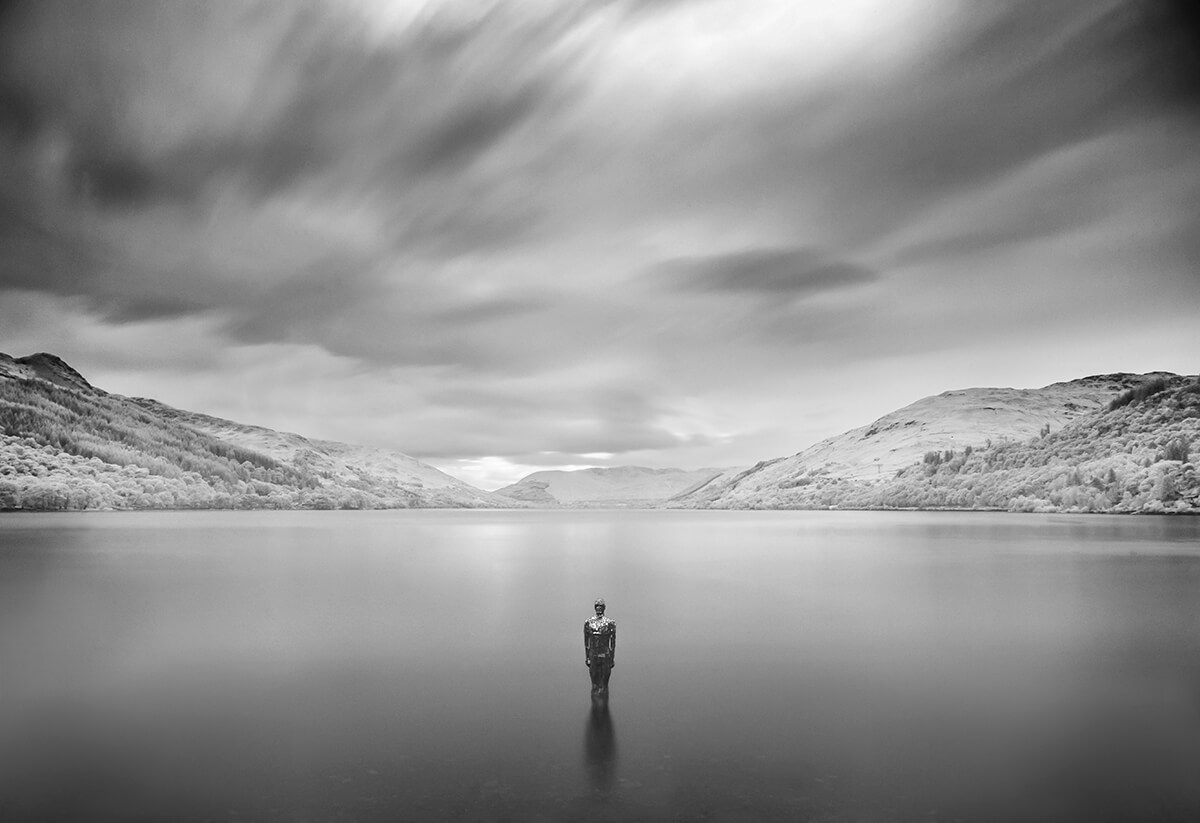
(775, 273)
(524, 233)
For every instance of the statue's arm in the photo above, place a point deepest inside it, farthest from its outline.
(612, 645)
(587, 653)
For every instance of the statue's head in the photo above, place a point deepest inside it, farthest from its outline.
(599, 605)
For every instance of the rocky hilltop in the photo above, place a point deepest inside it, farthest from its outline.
(633, 486)
(67, 445)
(1107, 443)
(44, 366)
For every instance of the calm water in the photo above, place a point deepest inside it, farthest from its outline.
(818, 666)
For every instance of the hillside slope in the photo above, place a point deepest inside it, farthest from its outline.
(1061, 448)
(65, 444)
(622, 485)
(344, 463)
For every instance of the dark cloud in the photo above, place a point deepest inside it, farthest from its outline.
(353, 310)
(392, 115)
(18, 113)
(323, 101)
(469, 132)
(98, 111)
(1001, 87)
(1049, 199)
(62, 261)
(1164, 36)
(36, 258)
(120, 181)
(774, 273)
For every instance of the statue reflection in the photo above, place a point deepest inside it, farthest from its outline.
(600, 745)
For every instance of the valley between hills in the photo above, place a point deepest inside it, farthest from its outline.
(1116, 443)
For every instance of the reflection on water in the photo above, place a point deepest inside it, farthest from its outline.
(600, 744)
(424, 666)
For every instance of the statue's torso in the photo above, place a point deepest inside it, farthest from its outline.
(600, 632)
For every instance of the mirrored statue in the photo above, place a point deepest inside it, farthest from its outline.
(600, 647)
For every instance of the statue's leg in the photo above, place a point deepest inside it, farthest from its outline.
(594, 671)
(606, 667)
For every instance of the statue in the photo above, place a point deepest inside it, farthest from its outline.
(600, 647)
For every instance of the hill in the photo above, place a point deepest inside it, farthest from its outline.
(1109, 443)
(620, 486)
(66, 445)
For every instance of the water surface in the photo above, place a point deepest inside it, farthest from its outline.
(429, 666)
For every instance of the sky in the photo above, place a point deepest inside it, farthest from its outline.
(511, 236)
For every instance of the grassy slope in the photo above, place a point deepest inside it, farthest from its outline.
(1133, 458)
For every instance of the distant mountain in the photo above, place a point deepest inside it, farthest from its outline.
(65, 444)
(623, 485)
(1111, 443)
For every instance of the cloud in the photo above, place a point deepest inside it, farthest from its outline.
(559, 229)
(842, 162)
(774, 273)
(277, 95)
(192, 119)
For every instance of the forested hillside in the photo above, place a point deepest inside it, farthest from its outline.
(1135, 455)
(65, 445)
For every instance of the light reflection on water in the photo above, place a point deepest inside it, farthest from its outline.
(600, 745)
(429, 666)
